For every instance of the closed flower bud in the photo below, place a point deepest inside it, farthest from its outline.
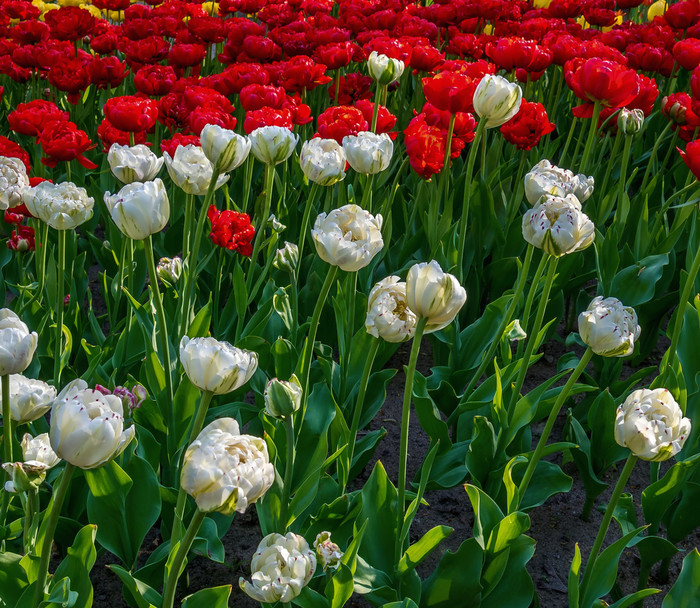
(651, 424)
(328, 553)
(216, 366)
(13, 180)
(191, 171)
(29, 399)
(133, 163)
(496, 100)
(367, 152)
(348, 237)
(558, 226)
(62, 206)
(434, 295)
(287, 258)
(87, 427)
(224, 148)
(282, 397)
(225, 471)
(630, 121)
(609, 327)
(388, 314)
(281, 567)
(546, 179)
(17, 344)
(515, 332)
(139, 210)
(38, 458)
(383, 69)
(323, 161)
(272, 145)
(169, 270)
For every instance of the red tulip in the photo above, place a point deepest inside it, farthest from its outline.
(528, 126)
(63, 141)
(131, 113)
(29, 118)
(691, 157)
(231, 230)
(600, 80)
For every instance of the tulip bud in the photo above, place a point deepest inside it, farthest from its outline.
(169, 270)
(558, 226)
(139, 210)
(383, 69)
(29, 399)
(630, 121)
(225, 471)
(287, 258)
(388, 314)
(191, 171)
(368, 152)
(281, 567)
(328, 553)
(62, 206)
(224, 148)
(609, 327)
(434, 295)
(38, 451)
(272, 145)
(546, 179)
(38, 458)
(17, 345)
(651, 424)
(216, 366)
(13, 180)
(348, 237)
(87, 427)
(323, 161)
(282, 397)
(496, 100)
(514, 332)
(133, 163)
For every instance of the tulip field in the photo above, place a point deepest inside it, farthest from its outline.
(311, 273)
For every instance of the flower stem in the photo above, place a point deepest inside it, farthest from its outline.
(529, 301)
(591, 138)
(7, 435)
(532, 464)
(310, 204)
(379, 94)
(622, 210)
(652, 157)
(53, 513)
(260, 229)
(352, 290)
(405, 413)
(467, 200)
(367, 193)
(30, 510)
(176, 565)
(189, 219)
(288, 474)
(60, 289)
(607, 517)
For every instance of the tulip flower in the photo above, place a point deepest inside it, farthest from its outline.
(281, 567)
(282, 397)
(287, 258)
(38, 451)
(131, 113)
(630, 121)
(225, 149)
(496, 100)
(367, 152)
(29, 399)
(323, 161)
(609, 328)
(548, 179)
(133, 163)
(191, 171)
(272, 145)
(388, 314)
(62, 206)
(383, 69)
(13, 180)
(139, 210)
(691, 157)
(327, 552)
(17, 344)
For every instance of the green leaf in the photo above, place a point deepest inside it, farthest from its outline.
(487, 515)
(658, 497)
(144, 596)
(77, 565)
(506, 531)
(213, 597)
(482, 450)
(419, 550)
(633, 598)
(455, 581)
(636, 284)
(199, 327)
(685, 592)
(13, 578)
(574, 578)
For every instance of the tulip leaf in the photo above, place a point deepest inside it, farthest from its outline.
(636, 284)
(629, 600)
(13, 578)
(213, 597)
(144, 596)
(77, 564)
(456, 579)
(658, 497)
(685, 592)
(505, 581)
(574, 578)
(482, 450)
(419, 550)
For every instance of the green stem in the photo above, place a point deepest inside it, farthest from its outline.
(621, 211)
(351, 281)
(288, 473)
(7, 436)
(60, 289)
(53, 514)
(467, 200)
(247, 182)
(260, 230)
(177, 563)
(367, 193)
(613, 156)
(189, 220)
(569, 137)
(310, 204)
(379, 94)
(602, 531)
(532, 464)
(29, 514)
(652, 157)
(525, 320)
(593, 129)
(359, 404)
(403, 453)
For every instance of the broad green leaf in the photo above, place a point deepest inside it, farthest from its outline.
(213, 597)
(657, 497)
(13, 578)
(685, 592)
(77, 566)
(487, 515)
(144, 596)
(379, 499)
(506, 531)
(455, 581)
(423, 547)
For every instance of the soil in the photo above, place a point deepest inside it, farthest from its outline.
(555, 526)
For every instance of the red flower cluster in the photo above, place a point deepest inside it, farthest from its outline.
(528, 126)
(231, 230)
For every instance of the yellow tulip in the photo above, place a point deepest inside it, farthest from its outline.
(656, 10)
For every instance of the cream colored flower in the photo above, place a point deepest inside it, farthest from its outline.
(328, 553)
(384, 69)
(139, 209)
(282, 397)
(546, 179)
(433, 294)
(323, 161)
(367, 152)
(191, 171)
(496, 100)
(388, 314)
(609, 327)
(224, 148)
(17, 344)
(272, 144)
(62, 206)
(133, 163)
(37, 451)
(13, 180)
(29, 399)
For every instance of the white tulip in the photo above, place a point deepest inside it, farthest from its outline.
(282, 397)
(87, 427)
(323, 161)
(548, 179)
(17, 344)
(224, 148)
(388, 314)
(272, 145)
(609, 327)
(287, 258)
(29, 399)
(219, 367)
(13, 180)
(225, 471)
(133, 163)
(368, 152)
(37, 451)
(169, 270)
(558, 226)
(328, 553)
(62, 206)
(384, 69)
(348, 237)
(496, 100)
(434, 295)
(651, 424)
(139, 210)
(281, 567)
(191, 170)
